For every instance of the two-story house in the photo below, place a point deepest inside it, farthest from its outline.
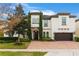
(58, 27)
(61, 26)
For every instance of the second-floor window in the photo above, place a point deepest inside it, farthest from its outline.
(45, 23)
(64, 20)
(35, 20)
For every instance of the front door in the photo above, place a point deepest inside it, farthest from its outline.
(35, 35)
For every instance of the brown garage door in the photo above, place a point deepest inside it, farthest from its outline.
(63, 36)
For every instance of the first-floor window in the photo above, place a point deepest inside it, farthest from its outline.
(45, 34)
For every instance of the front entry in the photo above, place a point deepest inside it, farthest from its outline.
(35, 35)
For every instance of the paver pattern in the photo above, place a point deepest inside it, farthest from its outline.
(54, 45)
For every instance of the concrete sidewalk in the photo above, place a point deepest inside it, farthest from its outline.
(63, 52)
(42, 50)
(51, 52)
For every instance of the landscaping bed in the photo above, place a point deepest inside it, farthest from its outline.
(47, 39)
(6, 53)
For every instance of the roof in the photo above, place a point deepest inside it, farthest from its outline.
(63, 14)
(35, 12)
(2, 21)
(72, 16)
(46, 17)
(56, 16)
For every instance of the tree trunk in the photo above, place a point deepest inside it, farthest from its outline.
(18, 40)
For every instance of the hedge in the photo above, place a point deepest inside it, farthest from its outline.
(7, 39)
(24, 40)
(77, 39)
(46, 39)
(12, 39)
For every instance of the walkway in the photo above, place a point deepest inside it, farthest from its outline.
(54, 45)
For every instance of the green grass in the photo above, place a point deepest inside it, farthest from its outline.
(22, 53)
(13, 46)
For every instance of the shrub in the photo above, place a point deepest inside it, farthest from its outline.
(12, 39)
(7, 39)
(77, 39)
(24, 40)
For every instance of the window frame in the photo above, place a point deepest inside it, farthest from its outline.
(35, 20)
(64, 20)
(45, 23)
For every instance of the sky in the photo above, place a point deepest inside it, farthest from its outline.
(56, 7)
(53, 8)
(50, 8)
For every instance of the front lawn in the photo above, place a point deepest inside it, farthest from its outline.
(22, 53)
(13, 46)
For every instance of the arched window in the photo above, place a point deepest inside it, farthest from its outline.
(47, 34)
(43, 34)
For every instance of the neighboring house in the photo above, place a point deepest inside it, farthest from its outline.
(77, 28)
(3, 24)
(12, 22)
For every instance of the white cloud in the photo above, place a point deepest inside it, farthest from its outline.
(34, 10)
(48, 12)
(28, 8)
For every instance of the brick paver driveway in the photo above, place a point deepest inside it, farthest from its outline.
(53, 45)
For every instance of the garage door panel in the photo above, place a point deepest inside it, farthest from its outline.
(63, 36)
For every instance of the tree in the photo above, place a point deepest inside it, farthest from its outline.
(17, 23)
(20, 26)
(19, 10)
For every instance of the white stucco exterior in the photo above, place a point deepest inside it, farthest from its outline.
(57, 24)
